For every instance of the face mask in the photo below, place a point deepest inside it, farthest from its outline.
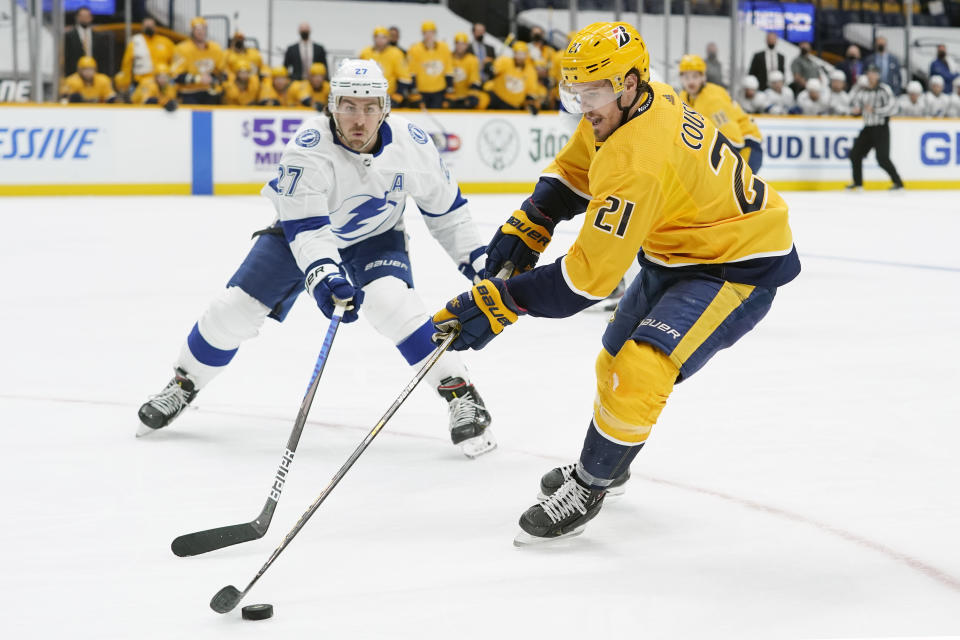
(537, 37)
(304, 35)
(941, 55)
(881, 48)
(149, 31)
(772, 46)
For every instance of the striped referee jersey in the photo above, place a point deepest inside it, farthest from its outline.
(881, 100)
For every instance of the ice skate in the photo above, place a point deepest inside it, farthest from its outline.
(469, 419)
(563, 514)
(162, 408)
(554, 479)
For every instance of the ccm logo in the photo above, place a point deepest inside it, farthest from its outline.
(528, 230)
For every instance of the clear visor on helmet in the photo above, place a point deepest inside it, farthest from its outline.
(357, 106)
(580, 97)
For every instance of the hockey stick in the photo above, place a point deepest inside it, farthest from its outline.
(228, 597)
(192, 544)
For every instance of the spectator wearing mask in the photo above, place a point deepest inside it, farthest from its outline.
(82, 41)
(954, 110)
(431, 67)
(86, 85)
(913, 103)
(813, 100)
(394, 39)
(714, 66)
(300, 55)
(852, 66)
(145, 51)
(750, 98)
(803, 68)
(514, 83)
(466, 92)
(839, 99)
(780, 98)
(943, 66)
(938, 101)
(278, 92)
(888, 64)
(314, 91)
(767, 61)
(198, 66)
(157, 89)
(244, 88)
(484, 52)
(240, 52)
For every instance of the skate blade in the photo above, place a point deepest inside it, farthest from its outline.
(144, 430)
(524, 539)
(478, 445)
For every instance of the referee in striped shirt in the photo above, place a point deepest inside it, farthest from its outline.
(877, 103)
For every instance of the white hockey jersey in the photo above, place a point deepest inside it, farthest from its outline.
(779, 102)
(839, 104)
(329, 197)
(757, 103)
(954, 110)
(906, 107)
(937, 106)
(810, 107)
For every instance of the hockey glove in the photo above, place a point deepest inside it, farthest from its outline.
(480, 314)
(474, 265)
(326, 283)
(520, 241)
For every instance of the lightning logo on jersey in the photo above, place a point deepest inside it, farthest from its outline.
(367, 214)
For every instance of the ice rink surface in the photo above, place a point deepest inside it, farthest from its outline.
(804, 484)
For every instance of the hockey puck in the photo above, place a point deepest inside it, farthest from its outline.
(257, 611)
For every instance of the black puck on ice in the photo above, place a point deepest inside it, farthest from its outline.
(257, 611)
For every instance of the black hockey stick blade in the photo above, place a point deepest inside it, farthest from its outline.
(193, 544)
(226, 599)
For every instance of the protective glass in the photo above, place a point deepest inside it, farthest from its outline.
(580, 97)
(349, 106)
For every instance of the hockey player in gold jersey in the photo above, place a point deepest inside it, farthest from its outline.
(656, 182)
(465, 92)
(239, 52)
(243, 89)
(86, 85)
(514, 83)
(277, 91)
(714, 102)
(431, 66)
(314, 91)
(158, 89)
(392, 61)
(198, 66)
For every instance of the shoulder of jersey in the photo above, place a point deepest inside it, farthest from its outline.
(715, 91)
(313, 134)
(409, 134)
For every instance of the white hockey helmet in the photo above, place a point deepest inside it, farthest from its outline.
(914, 88)
(836, 74)
(776, 76)
(938, 80)
(751, 82)
(360, 78)
(814, 86)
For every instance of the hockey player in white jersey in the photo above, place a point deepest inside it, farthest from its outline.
(938, 101)
(780, 98)
(954, 110)
(750, 97)
(839, 99)
(813, 100)
(340, 193)
(913, 103)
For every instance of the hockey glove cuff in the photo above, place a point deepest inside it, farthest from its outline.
(474, 264)
(327, 284)
(520, 241)
(480, 314)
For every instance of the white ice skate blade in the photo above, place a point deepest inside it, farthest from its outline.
(478, 445)
(144, 430)
(524, 539)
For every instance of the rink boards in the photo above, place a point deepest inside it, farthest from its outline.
(76, 150)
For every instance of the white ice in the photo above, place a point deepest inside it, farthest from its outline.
(804, 484)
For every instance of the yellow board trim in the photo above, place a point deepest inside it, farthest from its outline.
(730, 296)
(870, 185)
(158, 189)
